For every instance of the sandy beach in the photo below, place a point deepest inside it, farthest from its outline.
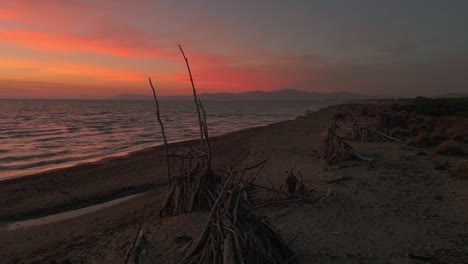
(396, 209)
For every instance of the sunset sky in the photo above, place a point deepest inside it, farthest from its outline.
(99, 48)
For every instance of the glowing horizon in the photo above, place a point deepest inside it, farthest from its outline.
(95, 49)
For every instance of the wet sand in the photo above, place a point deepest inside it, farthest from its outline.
(397, 209)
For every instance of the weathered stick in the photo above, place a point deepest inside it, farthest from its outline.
(132, 255)
(194, 96)
(205, 129)
(229, 257)
(162, 130)
(362, 157)
(309, 199)
(339, 179)
(385, 135)
(193, 247)
(291, 259)
(329, 193)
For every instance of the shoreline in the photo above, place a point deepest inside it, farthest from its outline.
(78, 203)
(66, 165)
(127, 153)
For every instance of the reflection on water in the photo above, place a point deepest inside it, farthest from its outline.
(38, 134)
(66, 215)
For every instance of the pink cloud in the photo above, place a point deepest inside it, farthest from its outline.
(68, 42)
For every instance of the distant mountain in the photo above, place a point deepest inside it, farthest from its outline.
(131, 97)
(287, 94)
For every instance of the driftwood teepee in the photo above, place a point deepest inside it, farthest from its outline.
(386, 121)
(235, 233)
(334, 149)
(369, 134)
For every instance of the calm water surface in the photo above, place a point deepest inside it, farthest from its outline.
(43, 134)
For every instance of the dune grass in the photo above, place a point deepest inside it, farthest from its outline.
(461, 170)
(421, 140)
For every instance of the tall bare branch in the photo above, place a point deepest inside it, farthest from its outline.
(194, 96)
(205, 129)
(162, 130)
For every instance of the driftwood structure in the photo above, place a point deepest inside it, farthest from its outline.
(191, 182)
(369, 134)
(294, 183)
(386, 121)
(235, 233)
(334, 149)
(192, 185)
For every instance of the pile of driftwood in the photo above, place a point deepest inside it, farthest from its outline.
(386, 121)
(334, 149)
(369, 134)
(191, 182)
(235, 233)
(294, 183)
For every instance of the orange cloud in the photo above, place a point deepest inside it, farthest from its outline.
(65, 42)
(35, 89)
(63, 70)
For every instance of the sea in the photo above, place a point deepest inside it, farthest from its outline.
(38, 135)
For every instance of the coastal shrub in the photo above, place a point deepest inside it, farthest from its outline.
(462, 114)
(450, 147)
(458, 133)
(438, 136)
(339, 117)
(399, 132)
(461, 171)
(420, 140)
(441, 165)
(364, 111)
(436, 107)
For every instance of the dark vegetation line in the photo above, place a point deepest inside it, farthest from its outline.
(435, 107)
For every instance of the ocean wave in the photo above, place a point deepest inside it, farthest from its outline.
(48, 146)
(44, 163)
(30, 131)
(97, 113)
(47, 139)
(36, 156)
(32, 135)
(146, 135)
(73, 129)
